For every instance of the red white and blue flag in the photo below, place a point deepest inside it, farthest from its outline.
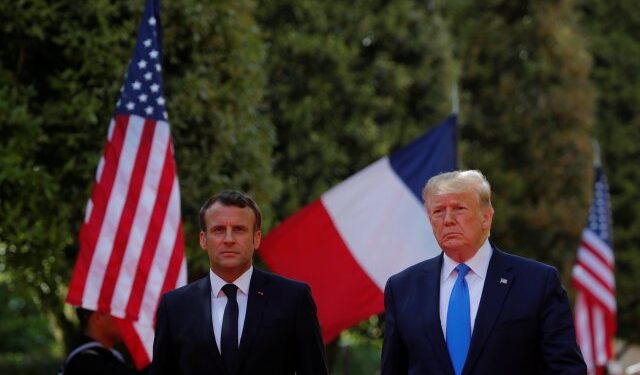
(131, 240)
(593, 278)
(347, 243)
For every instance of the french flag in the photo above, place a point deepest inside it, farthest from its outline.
(347, 243)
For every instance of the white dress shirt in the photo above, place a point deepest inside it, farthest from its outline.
(219, 301)
(478, 264)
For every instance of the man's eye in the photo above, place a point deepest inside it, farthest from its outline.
(239, 229)
(218, 230)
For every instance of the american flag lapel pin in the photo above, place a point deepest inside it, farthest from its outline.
(503, 281)
(260, 293)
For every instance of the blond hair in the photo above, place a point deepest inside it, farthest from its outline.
(459, 182)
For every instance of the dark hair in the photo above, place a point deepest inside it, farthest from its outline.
(84, 315)
(231, 198)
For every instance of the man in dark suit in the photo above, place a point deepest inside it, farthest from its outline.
(475, 309)
(238, 320)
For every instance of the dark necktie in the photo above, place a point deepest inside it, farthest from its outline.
(229, 336)
(459, 320)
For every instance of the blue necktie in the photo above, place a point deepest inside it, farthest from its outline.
(459, 320)
(229, 336)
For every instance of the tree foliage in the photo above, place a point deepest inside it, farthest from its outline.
(216, 79)
(527, 120)
(612, 29)
(348, 82)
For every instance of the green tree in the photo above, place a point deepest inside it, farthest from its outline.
(215, 85)
(526, 120)
(616, 73)
(349, 82)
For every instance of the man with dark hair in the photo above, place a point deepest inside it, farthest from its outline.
(238, 319)
(95, 355)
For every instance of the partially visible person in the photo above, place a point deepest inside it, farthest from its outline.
(95, 355)
(474, 309)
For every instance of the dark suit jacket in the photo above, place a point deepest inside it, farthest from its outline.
(95, 360)
(281, 334)
(523, 325)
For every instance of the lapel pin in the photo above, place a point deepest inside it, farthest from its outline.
(503, 281)
(260, 293)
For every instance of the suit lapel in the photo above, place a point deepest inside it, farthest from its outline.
(256, 304)
(432, 317)
(203, 308)
(496, 286)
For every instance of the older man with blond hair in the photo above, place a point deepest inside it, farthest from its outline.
(475, 309)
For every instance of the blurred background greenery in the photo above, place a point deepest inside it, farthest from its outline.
(286, 98)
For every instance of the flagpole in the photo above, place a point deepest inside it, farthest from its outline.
(455, 110)
(597, 160)
(455, 99)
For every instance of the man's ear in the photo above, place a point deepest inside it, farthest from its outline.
(487, 218)
(203, 240)
(257, 237)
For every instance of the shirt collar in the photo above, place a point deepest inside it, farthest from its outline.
(478, 264)
(241, 282)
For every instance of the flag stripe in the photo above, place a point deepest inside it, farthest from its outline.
(144, 334)
(142, 227)
(153, 234)
(598, 246)
(129, 211)
(167, 240)
(599, 272)
(592, 340)
(582, 326)
(100, 194)
(595, 253)
(586, 281)
(599, 336)
(182, 276)
(115, 206)
(134, 337)
(175, 265)
(589, 258)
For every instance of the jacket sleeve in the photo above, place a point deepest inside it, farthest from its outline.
(558, 346)
(311, 358)
(164, 353)
(394, 352)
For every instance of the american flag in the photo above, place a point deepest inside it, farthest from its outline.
(593, 278)
(131, 240)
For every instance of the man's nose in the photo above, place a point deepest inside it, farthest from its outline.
(228, 236)
(448, 216)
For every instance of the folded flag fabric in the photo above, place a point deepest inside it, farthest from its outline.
(347, 243)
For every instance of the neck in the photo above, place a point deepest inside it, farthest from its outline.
(462, 255)
(230, 275)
